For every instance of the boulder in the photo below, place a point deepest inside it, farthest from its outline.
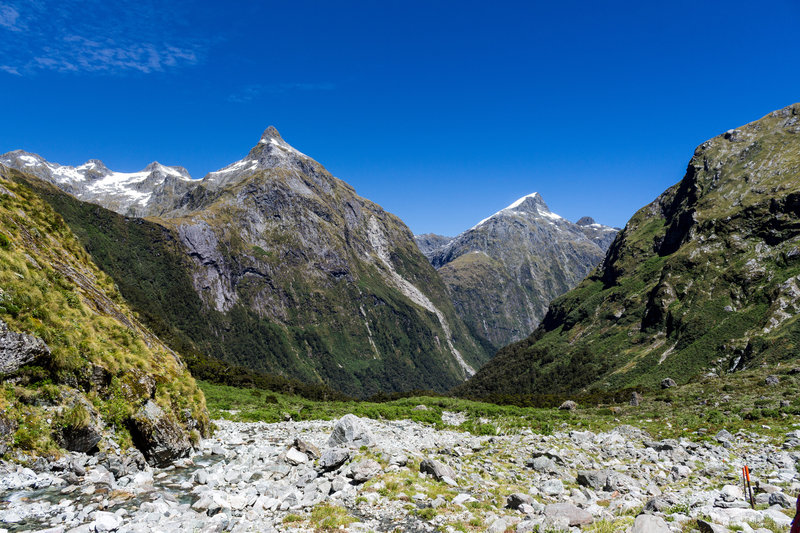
(668, 383)
(515, 500)
(364, 470)
(350, 431)
(80, 428)
(552, 487)
(772, 380)
(647, 523)
(18, 349)
(296, 457)
(636, 399)
(332, 458)
(438, 470)
(105, 521)
(569, 405)
(779, 498)
(158, 435)
(595, 479)
(574, 515)
(708, 527)
(311, 451)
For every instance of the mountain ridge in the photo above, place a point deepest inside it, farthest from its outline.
(337, 282)
(704, 279)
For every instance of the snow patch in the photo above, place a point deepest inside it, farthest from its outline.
(543, 212)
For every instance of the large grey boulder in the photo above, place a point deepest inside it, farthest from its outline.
(647, 523)
(574, 515)
(18, 349)
(158, 435)
(595, 479)
(332, 458)
(439, 471)
(364, 470)
(350, 431)
(515, 500)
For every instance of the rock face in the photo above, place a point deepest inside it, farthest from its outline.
(704, 279)
(278, 266)
(158, 435)
(17, 349)
(503, 272)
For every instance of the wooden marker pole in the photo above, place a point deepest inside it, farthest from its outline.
(750, 487)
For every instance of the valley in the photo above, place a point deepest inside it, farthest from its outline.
(346, 376)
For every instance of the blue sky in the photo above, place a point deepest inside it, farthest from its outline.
(442, 112)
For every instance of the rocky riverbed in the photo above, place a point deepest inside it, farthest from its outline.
(366, 475)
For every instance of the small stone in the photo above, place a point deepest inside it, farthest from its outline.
(772, 380)
(668, 383)
(420, 408)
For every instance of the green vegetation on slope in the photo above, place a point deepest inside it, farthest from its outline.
(698, 410)
(321, 341)
(703, 280)
(101, 360)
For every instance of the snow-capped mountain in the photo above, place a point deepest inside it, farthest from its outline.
(274, 264)
(157, 189)
(130, 193)
(504, 271)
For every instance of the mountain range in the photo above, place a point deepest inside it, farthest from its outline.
(703, 280)
(270, 263)
(503, 272)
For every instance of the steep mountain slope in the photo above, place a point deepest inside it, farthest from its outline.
(503, 272)
(429, 243)
(704, 279)
(274, 264)
(77, 368)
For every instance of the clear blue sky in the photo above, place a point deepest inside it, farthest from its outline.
(442, 112)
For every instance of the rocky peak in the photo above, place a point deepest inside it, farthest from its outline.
(585, 221)
(270, 133)
(532, 203)
(156, 167)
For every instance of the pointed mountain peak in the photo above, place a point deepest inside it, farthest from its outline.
(155, 166)
(269, 134)
(531, 203)
(585, 221)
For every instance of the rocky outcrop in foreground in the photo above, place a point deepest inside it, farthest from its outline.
(367, 475)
